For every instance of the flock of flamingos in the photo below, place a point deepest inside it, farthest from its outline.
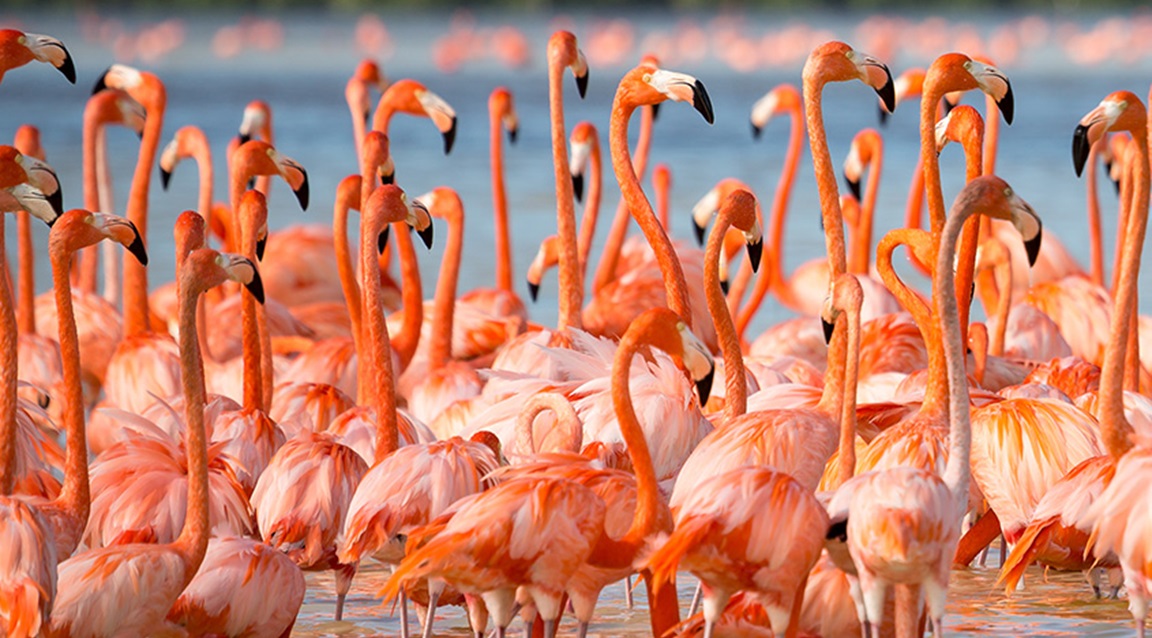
(252, 419)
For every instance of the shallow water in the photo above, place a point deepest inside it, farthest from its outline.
(1052, 604)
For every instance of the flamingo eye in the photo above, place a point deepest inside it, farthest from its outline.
(647, 78)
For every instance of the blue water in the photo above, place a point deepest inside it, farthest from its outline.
(304, 80)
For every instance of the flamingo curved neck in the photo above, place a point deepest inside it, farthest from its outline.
(440, 348)
(735, 385)
(644, 520)
(135, 287)
(412, 296)
(8, 362)
(618, 231)
(193, 539)
(674, 284)
(376, 367)
(571, 283)
(591, 215)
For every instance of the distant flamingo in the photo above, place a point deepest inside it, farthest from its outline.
(357, 92)
(99, 593)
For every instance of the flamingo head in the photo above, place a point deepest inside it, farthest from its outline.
(783, 98)
(500, 105)
(1114, 113)
(582, 140)
(647, 85)
(547, 256)
(837, 62)
(257, 120)
(563, 52)
(25, 47)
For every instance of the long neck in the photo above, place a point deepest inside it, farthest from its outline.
(1003, 280)
(735, 386)
(111, 253)
(915, 209)
(973, 144)
(937, 391)
(440, 349)
(94, 155)
(135, 275)
(1095, 235)
(847, 453)
(833, 230)
(991, 134)
(379, 346)
(193, 539)
(570, 281)
(606, 272)
(504, 267)
(250, 331)
(591, 209)
(647, 493)
(26, 284)
(207, 177)
(674, 285)
(8, 361)
(1114, 427)
(74, 496)
(566, 421)
(862, 251)
(412, 297)
(347, 274)
(1125, 203)
(930, 161)
(956, 472)
(776, 275)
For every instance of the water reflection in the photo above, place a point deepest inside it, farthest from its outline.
(1052, 604)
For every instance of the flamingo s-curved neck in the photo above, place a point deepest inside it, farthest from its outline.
(618, 231)
(644, 519)
(674, 284)
(735, 385)
(440, 347)
(504, 268)
(193, 539)
(407, 338)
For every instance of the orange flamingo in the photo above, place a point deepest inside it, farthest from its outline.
(500, 301)
(658, 328)
(128, 589)
(907, 534)
(357, 92)
(18, 48)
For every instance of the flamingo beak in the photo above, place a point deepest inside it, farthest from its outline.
(301, 191)
(513, 133)
(449, 135)
(829, 328)
(382, 238)
(533, 291)
(136, 247)
(887, 91)
(165, 177)
(755, 131)
(123, 232)
(699, 231)
(655, 111)
(853, 185)
(699, 363)
(704, 385)
(578, 186)
(48, 49)
(837, 530)
(242, 270)
(1080, 147)
(100, 82)
(261, 245)
(701, 102)
(582, 84)
(755, 250)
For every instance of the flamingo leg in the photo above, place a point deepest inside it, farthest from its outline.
(695, 606)
(628, 591)
(433, 596)
(403, 614)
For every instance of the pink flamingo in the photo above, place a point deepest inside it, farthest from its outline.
(357, 92)
(100, 590)
(18, 48)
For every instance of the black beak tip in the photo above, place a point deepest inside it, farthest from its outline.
(838, 531)
(582, 84)
(450, 136)
(382, 239)
(426, 235)
(755, 251)
(389, 178)
(1080, 148)
(578, 186)
(829, 328)
(165, 177)
(56, 201)
(1007, 105)
(533, 291)
(756, 130)
(243, 138)
(1032, 248)
(724, 286)
(883, 115)
(256, 286)
(302, 192)
(100, 84)
(704, 386)
(854, 186)
(701, 102)
(655, 111)
(699, 231)
(887, 93)
(137, 248)
(261, 246)
(513, 133)
(67, 67)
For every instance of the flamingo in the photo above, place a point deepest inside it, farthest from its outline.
(658, 328)
(303, 496)
(18, 48)
(357, 92)
(100, 590)
(907, 534)
(1080, 515)
(500, 301)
